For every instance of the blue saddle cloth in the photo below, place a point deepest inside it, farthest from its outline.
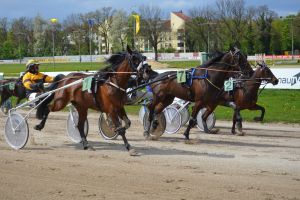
(191, 76)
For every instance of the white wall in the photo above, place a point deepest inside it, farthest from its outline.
(289, 78)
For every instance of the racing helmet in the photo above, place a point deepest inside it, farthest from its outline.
(31, 63)
(30, 66)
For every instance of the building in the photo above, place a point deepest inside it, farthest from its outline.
(173, 39)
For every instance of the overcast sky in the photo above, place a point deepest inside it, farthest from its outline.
(62, 8)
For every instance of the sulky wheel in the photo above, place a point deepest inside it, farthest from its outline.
(161, 127)
(173, 119)
(72, 130)
(210, 121)
(16, 131)
(105, 127)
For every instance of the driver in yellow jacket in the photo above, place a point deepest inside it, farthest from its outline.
(33, 80)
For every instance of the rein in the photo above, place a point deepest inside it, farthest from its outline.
(212, 84)
(219, 70)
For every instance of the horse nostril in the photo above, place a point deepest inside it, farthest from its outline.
(276, 82)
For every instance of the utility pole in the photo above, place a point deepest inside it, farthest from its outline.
(19, 43)
(53, 22)
(91, 23)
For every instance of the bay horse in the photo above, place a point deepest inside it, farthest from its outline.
(108, 95)
(205, 85)
(18, 91)
(245, 95)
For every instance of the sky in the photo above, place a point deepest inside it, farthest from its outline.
(60, 9)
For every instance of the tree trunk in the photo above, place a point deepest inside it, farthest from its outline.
(155, 52)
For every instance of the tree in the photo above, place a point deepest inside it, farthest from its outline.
(119, 30)
(202, 29)
(231, 14)
(152, 27)
(103, 20)
(3, 35)
(264, 21)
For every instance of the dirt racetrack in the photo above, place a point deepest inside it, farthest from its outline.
(264, 164)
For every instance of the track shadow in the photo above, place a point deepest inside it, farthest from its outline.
(98, 146)
(243, 144)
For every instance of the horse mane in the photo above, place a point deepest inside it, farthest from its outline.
(113, 63)
(217, 57)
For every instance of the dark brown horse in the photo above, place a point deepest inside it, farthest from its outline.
(245, 95)
(18, 90)
(206, 83)
(108, 95)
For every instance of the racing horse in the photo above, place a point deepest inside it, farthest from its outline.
(18, 90)
(245, 95)
(205, 84)
(108, 95)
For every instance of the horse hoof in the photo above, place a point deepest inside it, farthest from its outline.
(215, 131)
(37, 127)
(88, 147)
(154, 138)
(241, 134)
(154, 125)
(186, 136)
(132, 152)
(191, 141)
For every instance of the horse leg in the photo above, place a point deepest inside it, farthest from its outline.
(193, 120)
(150, 119)
(82, 116)
(234, 117)
(262, 109)
(239, 121)
(41, 125)
(43, 111)
(121, 131)
(125, 118)
(209, 110)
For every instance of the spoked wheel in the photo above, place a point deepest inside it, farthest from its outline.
(184, 112)
(161, 127)
(16, 131)
(210, 121)
(105, 127)
(185, 116)
(142, 112)
(173, 119)
(72, 129)
(6, 106)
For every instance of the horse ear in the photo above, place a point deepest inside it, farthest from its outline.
(129, 50)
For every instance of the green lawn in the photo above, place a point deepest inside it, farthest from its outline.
(15, 69)
(182, 64)
(280, 105)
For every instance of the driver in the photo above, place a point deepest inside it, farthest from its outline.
(33, 80)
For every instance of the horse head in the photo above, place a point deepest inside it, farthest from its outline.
(230, 64)
(135, 59)
(243, 63)
(265, 73)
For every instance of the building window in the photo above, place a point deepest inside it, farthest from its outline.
(180, 45)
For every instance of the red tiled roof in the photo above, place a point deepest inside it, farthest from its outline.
(167, 23)
(182, 16)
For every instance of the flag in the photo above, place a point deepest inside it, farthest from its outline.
(137, 23)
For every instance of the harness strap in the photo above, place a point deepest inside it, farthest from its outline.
(94, 92)
(212, 84)
(116, 86)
